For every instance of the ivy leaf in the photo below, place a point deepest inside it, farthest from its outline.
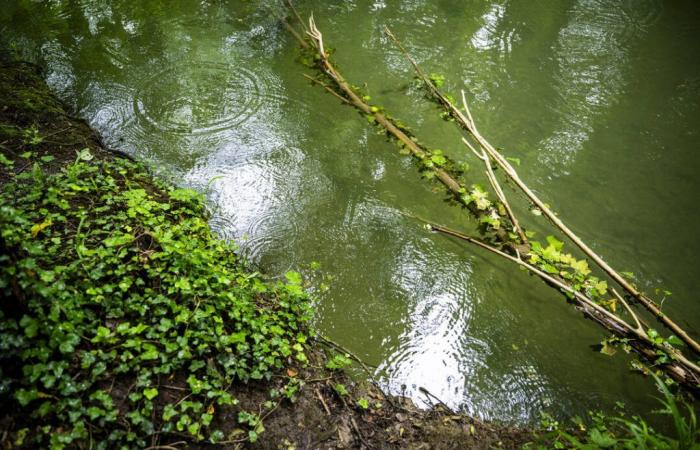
(337, 362)
(601, 287)
(581, 267)
(675, 341)
(551, 254)
(102, 334)
(479, 197)
(150, 353)
(515, 161)
(438, 160)
(37, 228)
(118, 240)
(84, 155)
(340, 389)
(169, 412)
(554, 242)
(68, 344)
(31, 326)
(550, 269)
(184, 195)
(607, 349)
(150, 393)
(25, 396)
(437, 79)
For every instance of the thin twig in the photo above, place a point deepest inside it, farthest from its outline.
(174, 388)
(628, 308)
(370, 373)
(291, 29)
(466, 108)
(431, 395)
(328, 88)
(170, 446)
(323, 402)
(359, 434)
(296, 14)
(583, 301)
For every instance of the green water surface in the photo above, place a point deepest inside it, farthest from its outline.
(599, 99)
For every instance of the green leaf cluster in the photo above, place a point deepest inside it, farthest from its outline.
(631, 433)
(114, 287)
(553, 260)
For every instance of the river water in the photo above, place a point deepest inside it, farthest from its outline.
(598, 99)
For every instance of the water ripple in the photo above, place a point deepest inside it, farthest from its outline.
(213, 98)
(435, 352)
(591, 52)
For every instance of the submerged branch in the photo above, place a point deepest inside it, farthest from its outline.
(344, 89)
(328, 88)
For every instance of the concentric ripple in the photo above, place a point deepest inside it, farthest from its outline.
(209, 98)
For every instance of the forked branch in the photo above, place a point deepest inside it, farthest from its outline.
(679, 367)
(467, 123)
(483, 156)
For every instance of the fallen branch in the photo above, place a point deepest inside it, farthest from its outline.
(679, 368)
(683, 371)
(344, 90)
(497, 189)
(467, 123)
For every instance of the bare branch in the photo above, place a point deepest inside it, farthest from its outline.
(467, 123)
(628, 308)
(328, 88)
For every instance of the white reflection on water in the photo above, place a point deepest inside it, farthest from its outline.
(435, 352)
(492, 37)
(439, 352)
(591, 51)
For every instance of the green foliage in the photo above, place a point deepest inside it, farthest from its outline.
(633, 433)
(514, 160)
(553, 260)
(115, 287)
(31, 136)
(437, 80)
(432, 163)
(478, 196)
(338, 362)
(341, 389)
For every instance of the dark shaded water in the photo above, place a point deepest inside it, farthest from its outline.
(600, 100)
